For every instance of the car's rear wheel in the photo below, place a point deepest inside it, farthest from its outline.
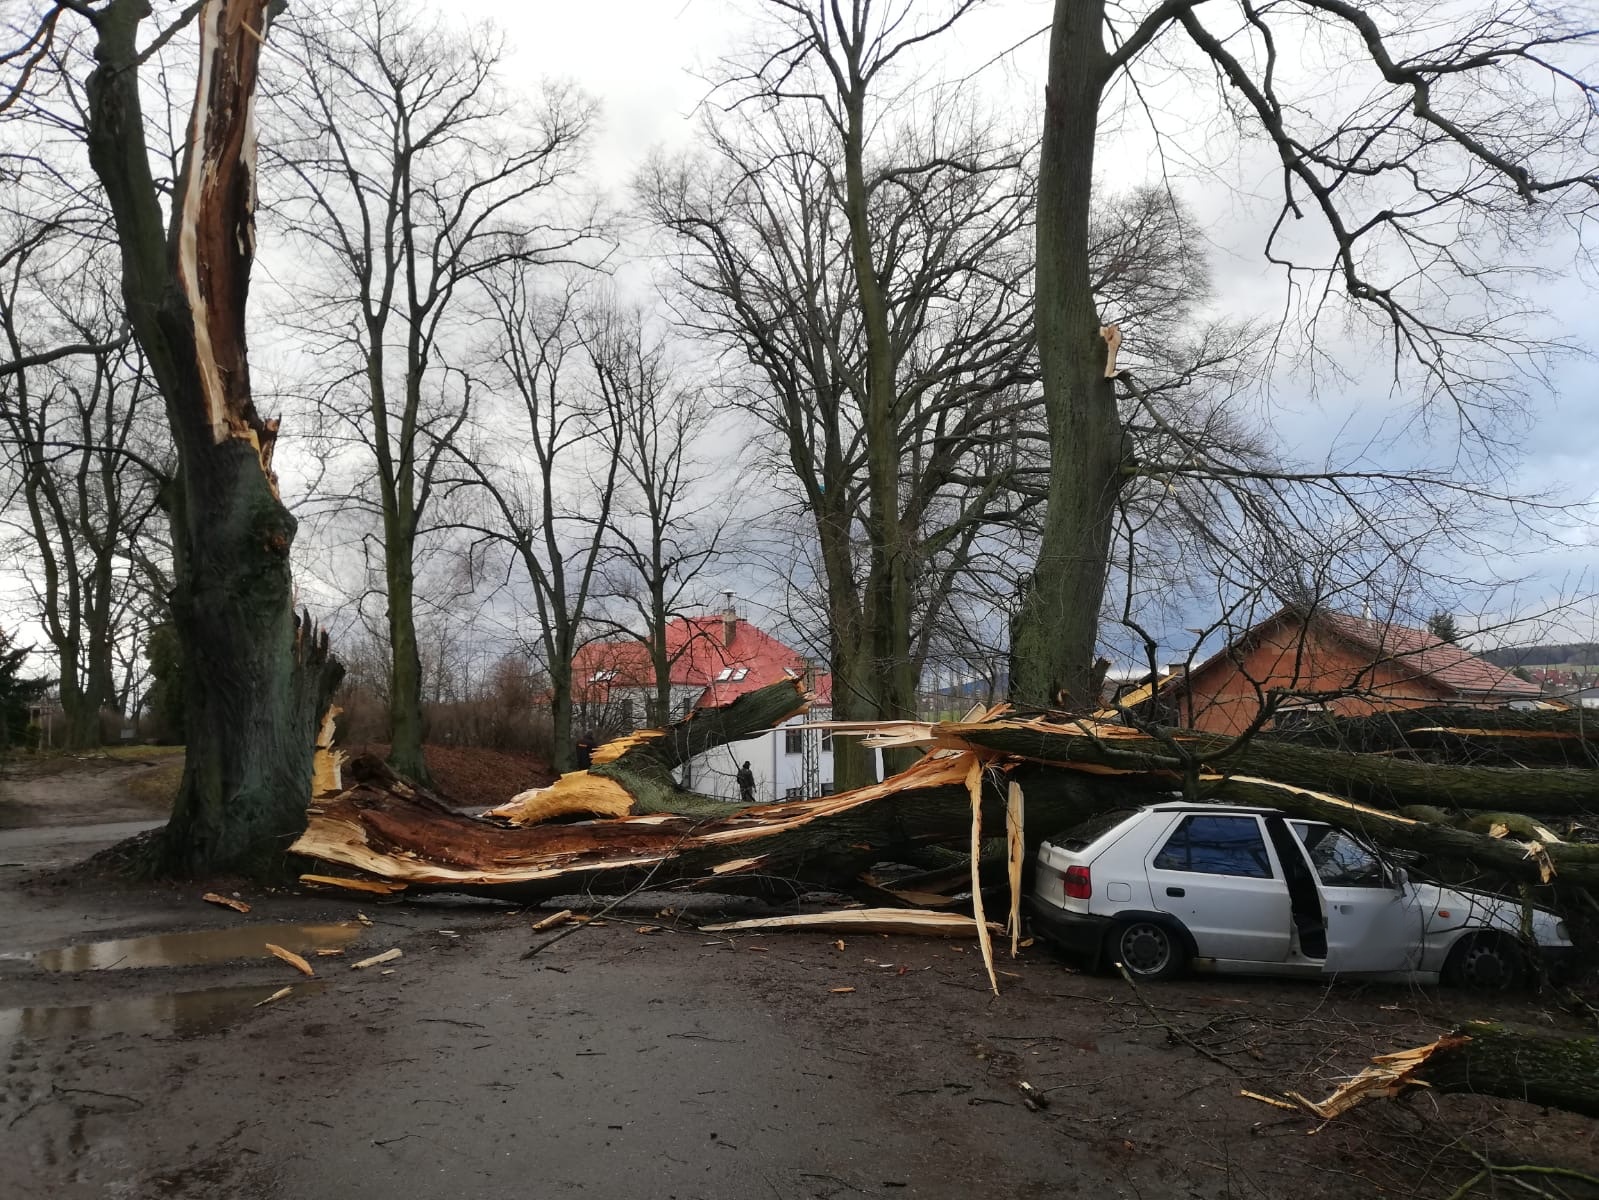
(1148, 949)
(1486, 962)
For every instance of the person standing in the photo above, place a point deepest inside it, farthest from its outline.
(746, 784)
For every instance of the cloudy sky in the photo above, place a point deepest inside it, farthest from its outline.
(645, 61)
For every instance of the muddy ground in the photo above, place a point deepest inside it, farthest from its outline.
(672, 1063)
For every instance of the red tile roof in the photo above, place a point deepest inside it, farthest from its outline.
(700, 657)
(1421, 652)
(1415, 650)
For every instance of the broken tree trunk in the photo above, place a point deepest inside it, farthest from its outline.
(398, 832)
(391, 829)
(1484, 1058)
(1373, 779)
(257, 679)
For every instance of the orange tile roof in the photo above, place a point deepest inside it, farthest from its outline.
(699, 658)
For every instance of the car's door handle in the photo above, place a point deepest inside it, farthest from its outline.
(1175, 892)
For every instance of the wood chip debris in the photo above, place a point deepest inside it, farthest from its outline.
(290, 957)
(386, 956)
(277, 995)
(1271, 1100)
(841, 991)
(363, 918)
(553, 919)
(226, 902)
(376, 887)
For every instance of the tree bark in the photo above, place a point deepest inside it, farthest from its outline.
(1517, 1063)
(406, 727)
(257, 678)
(1465, 736)
(1054, 634)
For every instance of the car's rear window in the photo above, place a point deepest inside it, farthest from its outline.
(1080, 837)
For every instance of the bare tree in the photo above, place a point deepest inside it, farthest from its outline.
(79, 444)
(548, 488)
(1448, 140)
(879, 294)
(668, 521)
(409, 172)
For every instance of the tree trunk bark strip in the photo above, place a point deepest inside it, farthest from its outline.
(215, 234)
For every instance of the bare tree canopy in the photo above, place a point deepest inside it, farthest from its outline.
(409, 171)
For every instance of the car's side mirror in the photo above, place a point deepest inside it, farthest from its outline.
(1400, 877)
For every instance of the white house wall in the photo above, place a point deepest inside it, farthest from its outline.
(776, 771)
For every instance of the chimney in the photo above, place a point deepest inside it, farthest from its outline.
(729, 620)
(1177, 668)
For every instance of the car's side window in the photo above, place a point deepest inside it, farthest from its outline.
(1340, 860)
(1216, 845)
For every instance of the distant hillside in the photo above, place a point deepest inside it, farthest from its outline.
(1574, 654)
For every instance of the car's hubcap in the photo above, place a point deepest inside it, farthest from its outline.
(1145, 949)
(1486, 968)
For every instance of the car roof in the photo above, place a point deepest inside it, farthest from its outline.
(1190, 806)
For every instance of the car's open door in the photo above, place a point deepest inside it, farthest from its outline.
(1373, 920)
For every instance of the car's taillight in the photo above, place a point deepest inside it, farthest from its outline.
(1077, 883)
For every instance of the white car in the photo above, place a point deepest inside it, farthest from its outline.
(1250, 890)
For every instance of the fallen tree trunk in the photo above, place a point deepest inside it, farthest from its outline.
(400, 834)
(1483, 1058)
(664, 834)
(1463, 736)
(1372, 779)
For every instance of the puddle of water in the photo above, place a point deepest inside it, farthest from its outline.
(187, 1014)
(201, 947)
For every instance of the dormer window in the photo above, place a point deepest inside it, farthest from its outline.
(724, 675)
(603, 676)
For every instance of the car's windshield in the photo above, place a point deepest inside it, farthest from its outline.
(1081, 836)
(1340, 860)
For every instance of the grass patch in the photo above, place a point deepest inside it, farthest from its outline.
(156, 788)
(137, 753)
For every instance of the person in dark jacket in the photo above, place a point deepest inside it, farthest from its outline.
(583, 753)
(746, 784)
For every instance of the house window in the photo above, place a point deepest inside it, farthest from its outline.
(627, 711)
(827, 741)
(793, 741)
(1216, 846)
(740, 673)
(724, 675)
